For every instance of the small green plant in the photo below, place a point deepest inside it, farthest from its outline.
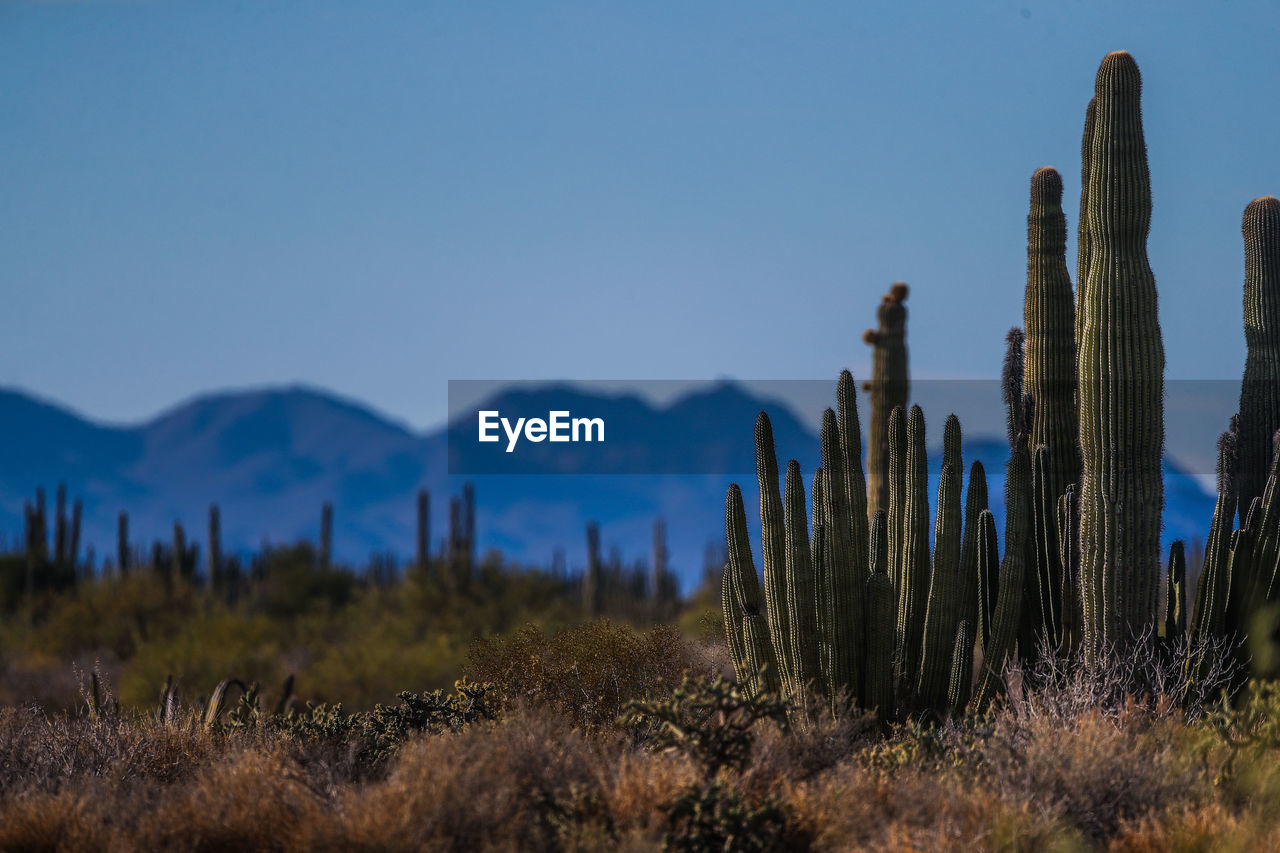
(385, 729)
(710, 720)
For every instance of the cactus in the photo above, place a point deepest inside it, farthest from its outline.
(1012, 379)
(1045, 582)
(60, 527)
(881, 624)
(1083, 241)
(1212, 591)
(889, 388)
(845, 578)
(942, 613)
(122, 543)
(1050, 367)
(662, 581)
(749, 638)
(897, 491)
(593, 579)
(1069, 559)
(176, 561)
(1263, 522)
(801, 589)
(422, 542)
(817, 497)
(913, 588)
(975, 501)
(215, 547)
(814, 613)
(326, 536)
(1121, 373)
(1260, 387)
(855, 477)
(988, 557)
(961, 680)
(73, 549)
(773, 547)
(1007, 615)
(468, 533)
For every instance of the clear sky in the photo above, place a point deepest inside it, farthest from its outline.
(378, 197)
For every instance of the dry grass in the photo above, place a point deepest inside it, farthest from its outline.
(1057, 768)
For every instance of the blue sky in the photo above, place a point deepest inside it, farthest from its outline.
(379, 197)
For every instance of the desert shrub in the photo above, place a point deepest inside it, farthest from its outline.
(718, 818)
(588, 673)
(386, 728)
(485, 787)
(711, 720)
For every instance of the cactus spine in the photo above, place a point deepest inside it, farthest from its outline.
(889, 387)
(1260, 388)
(1121, 372)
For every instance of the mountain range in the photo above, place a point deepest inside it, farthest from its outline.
(270, 458)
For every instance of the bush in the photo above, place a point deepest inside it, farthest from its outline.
(710, 720)
(588, 673)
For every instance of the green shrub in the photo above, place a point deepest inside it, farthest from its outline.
(710, 720)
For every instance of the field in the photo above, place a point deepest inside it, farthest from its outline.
(554, 757)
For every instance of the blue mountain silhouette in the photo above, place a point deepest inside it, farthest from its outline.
(271, 457)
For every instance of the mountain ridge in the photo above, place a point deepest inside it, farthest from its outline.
(271, 456)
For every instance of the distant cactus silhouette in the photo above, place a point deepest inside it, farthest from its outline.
(889, 388)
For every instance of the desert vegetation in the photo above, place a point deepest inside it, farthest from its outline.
(894, 679)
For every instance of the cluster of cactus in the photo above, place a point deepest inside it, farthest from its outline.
(870, 613)
(178, 558)
(1239, 585)
(608, 585)
(59, 567)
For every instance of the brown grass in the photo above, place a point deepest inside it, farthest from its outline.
(1055, 769)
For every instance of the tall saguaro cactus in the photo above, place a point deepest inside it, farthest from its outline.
(889, 388)
(1050, 317)
(1260, 389)
(1121, 372)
